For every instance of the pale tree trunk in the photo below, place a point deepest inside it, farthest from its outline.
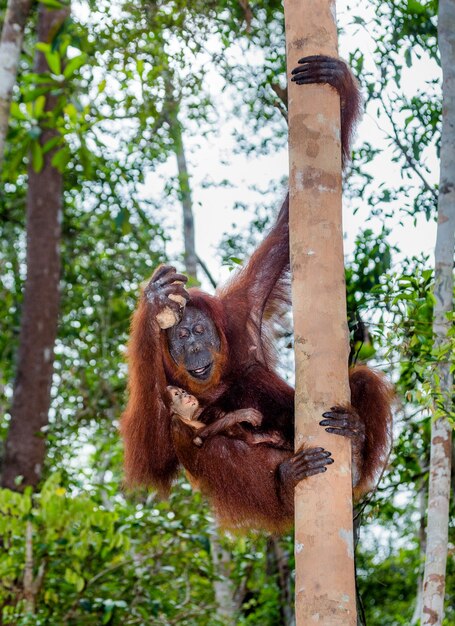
(187, 203)
(184, 179)
(32, 584)
(207, 272)
(192, 260)
(422, 537)
(440, 459)
(324, 547)
(227, 607)
(17, 12)
(452, 480)
(26, 443)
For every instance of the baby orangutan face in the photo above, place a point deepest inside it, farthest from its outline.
(183, 404)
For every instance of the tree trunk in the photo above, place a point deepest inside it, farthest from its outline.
(227, 607)
(278, 565)
(191, 260)
(422, 538)
(324, 550)
(32, 584)
(440, 459)
(187, 203)
(25, 443)
(17, 12)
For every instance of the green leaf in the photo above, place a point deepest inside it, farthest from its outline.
(80, 583)
(61, 158)
(38, 107)
(54, 61)
(43, 47)
(16, 112)
(15, 162)
(74, 64)
(37, 156)
(33, 94)
(122, 221)
(69, 575)
(33, 78)
(52, 143)
(52, 4)
(140, 67)
(71, 111)
(416, 7)
(107, 614)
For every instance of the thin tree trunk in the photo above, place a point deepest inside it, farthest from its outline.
(187, 202)
(278, 565)
(440, 459)
(206, 271)
(324, 550)
(28, 569)
(184, 178)
(17, 12)
(452, 480)
(25, 443)
(422, 496)
(227, 607)
(32, 584)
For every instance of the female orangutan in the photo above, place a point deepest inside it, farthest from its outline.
(219, 349)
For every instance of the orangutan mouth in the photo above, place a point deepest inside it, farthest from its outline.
(201, 372)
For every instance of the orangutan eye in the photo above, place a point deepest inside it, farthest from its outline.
(183, 333)
(199, 329)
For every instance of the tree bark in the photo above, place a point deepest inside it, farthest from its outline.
(187, 203)
(422, 538)
(175, 128)
(324, 548)
(278, 565)
(17, 12)
(32, 584)
(227, 608)
(25, 443)
(440, 459)
(206, 271)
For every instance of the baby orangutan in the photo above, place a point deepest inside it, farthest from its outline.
(186, 407)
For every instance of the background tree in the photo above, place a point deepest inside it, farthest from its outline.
(13, 27)
(25, 442)
(441, 430)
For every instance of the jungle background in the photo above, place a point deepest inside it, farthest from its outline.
(126, 123)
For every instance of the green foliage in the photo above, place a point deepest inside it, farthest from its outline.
(404, 39)
(137, 561)
(85, 558)
(371, 260)
(390, 592)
